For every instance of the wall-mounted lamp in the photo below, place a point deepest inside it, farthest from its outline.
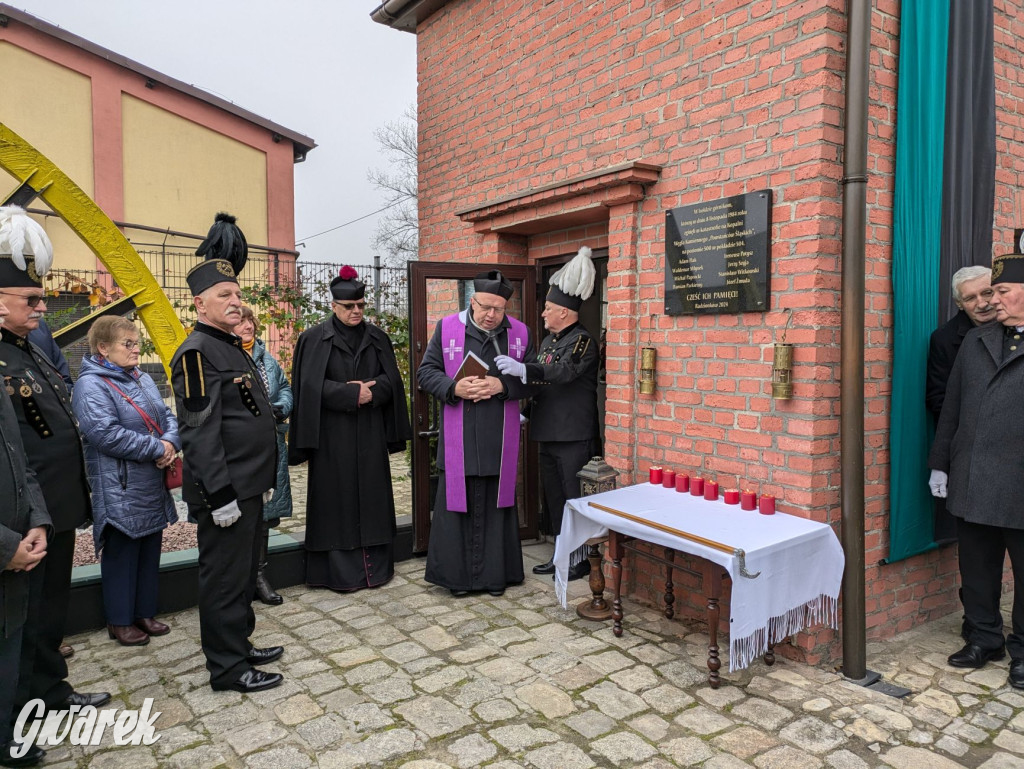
(648, 357)
(782, 371)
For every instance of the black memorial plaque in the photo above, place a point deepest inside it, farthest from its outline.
(716, 255)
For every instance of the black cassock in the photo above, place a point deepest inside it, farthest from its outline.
(350, 507)
(478, 549)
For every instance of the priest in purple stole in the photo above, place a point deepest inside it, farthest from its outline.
(474, 532)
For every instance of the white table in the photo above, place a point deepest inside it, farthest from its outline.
(785, 570)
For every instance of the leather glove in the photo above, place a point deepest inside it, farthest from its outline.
(937, 483)
(511, 367)
(278, 414)
(227, 515)
(268, 495)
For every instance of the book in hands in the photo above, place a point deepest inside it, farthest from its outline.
(472, 365)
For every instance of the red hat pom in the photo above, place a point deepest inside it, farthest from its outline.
(348, 273)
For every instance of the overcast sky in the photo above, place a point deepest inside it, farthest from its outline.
(319, 67)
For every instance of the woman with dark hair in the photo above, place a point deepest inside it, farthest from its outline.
(280, 392)
(130, 438)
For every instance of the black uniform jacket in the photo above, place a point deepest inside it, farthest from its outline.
(227, 425)
(21, 508)
(49, 430)
(942, 349)
(312, 352)
(482, 421)
(564, 382)
(980, 437)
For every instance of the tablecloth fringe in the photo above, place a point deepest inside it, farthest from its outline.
(562, 590)
(822, 610)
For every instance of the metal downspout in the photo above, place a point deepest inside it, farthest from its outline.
(851, 421)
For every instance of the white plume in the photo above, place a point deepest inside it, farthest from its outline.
(576, 278)
(20, 234)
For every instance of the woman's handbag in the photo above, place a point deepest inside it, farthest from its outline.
(173, 471)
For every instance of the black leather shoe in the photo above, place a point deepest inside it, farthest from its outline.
(497, 593)
(579, 571)
(1016, 679)
(97, 700)
(545, 568)
(973, 656)
(32, 757)
(263, 656)
(253, 681)
(459, 593)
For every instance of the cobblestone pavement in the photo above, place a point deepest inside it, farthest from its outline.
(408, 676)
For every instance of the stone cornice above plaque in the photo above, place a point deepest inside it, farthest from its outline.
(580, 200)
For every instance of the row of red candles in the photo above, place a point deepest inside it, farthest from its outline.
(747, 500)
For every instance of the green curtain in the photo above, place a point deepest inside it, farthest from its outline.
(917, 219)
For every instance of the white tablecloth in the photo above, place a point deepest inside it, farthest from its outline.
(800, 561)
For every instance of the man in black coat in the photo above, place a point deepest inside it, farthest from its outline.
(350, 414)
(229, 444)
(563, 411)
(972, 294)
(53, 447)
(24, 527)
(977, 461)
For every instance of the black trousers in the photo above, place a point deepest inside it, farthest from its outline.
(10, 652)
(559, 463)
(228, 561)
(982, 553)
(130, 570)
(43, 670)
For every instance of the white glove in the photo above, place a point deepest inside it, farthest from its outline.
(267, 496)
(937, 483)
(511, 367)
(227, 515)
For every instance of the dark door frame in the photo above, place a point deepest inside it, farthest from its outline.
(424, 409)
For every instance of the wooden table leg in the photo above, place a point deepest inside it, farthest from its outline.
(713, 589)
(670, 597)
(615, 553)
(596, 608)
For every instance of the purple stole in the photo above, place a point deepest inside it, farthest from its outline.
(453, 343)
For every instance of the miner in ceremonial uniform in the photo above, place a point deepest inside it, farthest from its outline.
(563, 413)
(350, 415)
(977, 461)
(229, 443)
(474, 532)
(24, 527)
(53, 448)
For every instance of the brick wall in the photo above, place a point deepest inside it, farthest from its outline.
(726, 96)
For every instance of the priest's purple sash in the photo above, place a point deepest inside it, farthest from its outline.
(453, 345)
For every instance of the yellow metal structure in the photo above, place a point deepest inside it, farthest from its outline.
(84, 217)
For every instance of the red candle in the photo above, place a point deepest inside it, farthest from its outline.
(682, 482)
(655, 474)
(668, 478)
(748, 500)
(766, 505)
(697, 486)
(711, 491)
(732, 496)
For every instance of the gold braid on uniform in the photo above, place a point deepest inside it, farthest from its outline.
(196, 401)
(580, 348)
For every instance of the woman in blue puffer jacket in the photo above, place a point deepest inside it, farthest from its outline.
(125, 457)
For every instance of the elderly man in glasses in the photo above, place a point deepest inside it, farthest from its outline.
(53, 448)
(350, 413)
(474, 534)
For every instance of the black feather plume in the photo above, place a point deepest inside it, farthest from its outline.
(225, 240)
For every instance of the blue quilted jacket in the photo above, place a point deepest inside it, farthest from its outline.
(128, 490)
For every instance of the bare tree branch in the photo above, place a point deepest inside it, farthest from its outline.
(397, 233)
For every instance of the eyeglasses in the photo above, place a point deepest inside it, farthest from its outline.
(487, 309)
(350, 305)
(129, 344)
(32, 300)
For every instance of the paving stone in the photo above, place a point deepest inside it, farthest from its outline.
(231, 718)
(951, 745)
(442, 679)
(506, 636)
(471, 654)
(493, 711)
(1001, 761)
(683, 675)
(652, 727)
(254, 737)
(201, 757)
(608, 662)
(761, 712)
(548, 700)
(938, 700)
(322, 732)
(288, 757)
(472, 751)
(434, 716)
(374, 750)
(390, 690)
(560, 756)
(1010, 741)
(590, 723)
(636, 679)
(297, 710)
(320, 683)
(786, 757)
(435, 638)
(667, 699)
(374, 671)
(903, 757)
(744, 742)
(352, 657)
(124, 758)
(623, 748)
(813, 735)
(614, 701)
(844, 759)
(701, 720)
(404, 652)
(866, 730)
(989, 677)
(687, 751)
(174, 739)
(504, 670)
(423, 666)
(817, 705)
(887, 718)
(520, 736)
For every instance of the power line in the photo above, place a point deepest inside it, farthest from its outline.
(346, 224)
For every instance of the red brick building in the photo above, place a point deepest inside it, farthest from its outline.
(546, 126)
